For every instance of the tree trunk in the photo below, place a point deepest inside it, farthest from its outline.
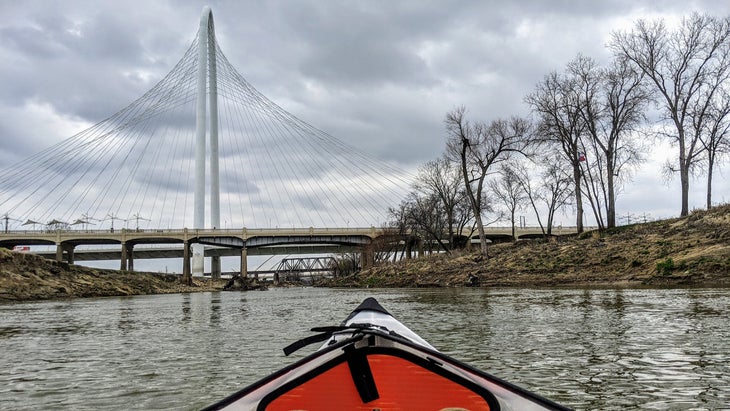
(578, 199)
(550, 223)
(474, 201)
(450, 217)
(480, 226)
(710, 164)
(477, 216)
(684, 177)
(512, 220)
(537, 214)
(611, 206)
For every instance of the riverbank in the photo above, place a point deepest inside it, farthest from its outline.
(693, 251)
(29, 277)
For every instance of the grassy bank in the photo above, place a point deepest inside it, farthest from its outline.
(694, 250)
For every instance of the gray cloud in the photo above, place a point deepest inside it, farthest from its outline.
(379, 75)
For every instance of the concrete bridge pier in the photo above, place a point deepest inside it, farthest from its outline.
(215, 267)
(186, 278)
(244, 263)
(130, 257)
(68, 248)
(123, 258)
(127, 257)
(367, 257)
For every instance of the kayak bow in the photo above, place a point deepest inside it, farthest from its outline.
(374, 362)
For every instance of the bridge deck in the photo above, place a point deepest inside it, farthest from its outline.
(232, 242)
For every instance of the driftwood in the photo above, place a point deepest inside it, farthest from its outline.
(238, 283)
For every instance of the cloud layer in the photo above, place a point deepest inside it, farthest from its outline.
(379, 75)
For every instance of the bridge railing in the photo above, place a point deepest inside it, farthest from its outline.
(244, 232)
(302, 230)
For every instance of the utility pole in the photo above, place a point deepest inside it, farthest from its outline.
(138, 217)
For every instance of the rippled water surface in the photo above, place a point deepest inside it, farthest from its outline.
(588, 349)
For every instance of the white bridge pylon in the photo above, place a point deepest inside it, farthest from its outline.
(206, 74)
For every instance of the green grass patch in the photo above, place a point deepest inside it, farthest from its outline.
(668, 266)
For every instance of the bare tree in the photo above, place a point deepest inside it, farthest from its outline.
(436, 209)
(716, 137)
(552, 193)
(611, 103)
(388, 242)
(507, 189)
(348, 263)
(426, 215)
(464, 218)
(556, 102)
(423, 217)
(399, 225)
(557, 189)
(714, 133)
(680, 65)
(477, 148)
(532, 194)
(442, 179)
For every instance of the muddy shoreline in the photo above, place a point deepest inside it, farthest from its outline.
(27, 277)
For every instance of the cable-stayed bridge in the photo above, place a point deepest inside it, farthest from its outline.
(203, 150)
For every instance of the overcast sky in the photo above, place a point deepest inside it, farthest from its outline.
(379, 75)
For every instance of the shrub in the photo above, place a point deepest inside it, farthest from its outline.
(665, 267)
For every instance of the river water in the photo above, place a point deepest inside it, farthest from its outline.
(586, 348)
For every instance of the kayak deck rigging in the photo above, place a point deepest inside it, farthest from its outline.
(374, 362)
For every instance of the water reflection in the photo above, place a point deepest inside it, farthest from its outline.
(126, 321)
(8, 332)
(215, 308)
(242, 308)
(186, 308)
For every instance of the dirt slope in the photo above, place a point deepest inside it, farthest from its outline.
(694, 250)
(30, 277)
